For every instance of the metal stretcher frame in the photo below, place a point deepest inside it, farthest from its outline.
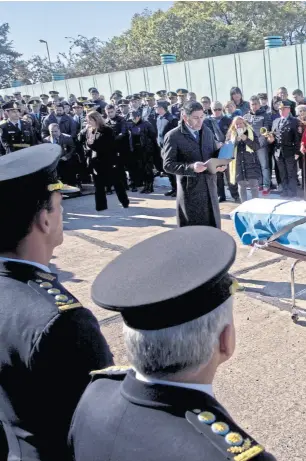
(299, 256)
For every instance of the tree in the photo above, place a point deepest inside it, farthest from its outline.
(191, 30)
(8, 57)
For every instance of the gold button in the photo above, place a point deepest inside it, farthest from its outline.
(54, 291)
(38, 281)
(46, 285)
(61, 298)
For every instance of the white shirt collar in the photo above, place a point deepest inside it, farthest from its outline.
(207, 388)
(24, 261)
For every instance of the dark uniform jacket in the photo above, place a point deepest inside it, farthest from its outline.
(149, 115)
(287, 137)
(13, 138)
(197, 197)
(120, 418)
(176, 110)
(247, 163)
(164, 124)
(49, 344)
(67, 125)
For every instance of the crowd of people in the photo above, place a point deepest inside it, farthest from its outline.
(120, 144)
(60, 397)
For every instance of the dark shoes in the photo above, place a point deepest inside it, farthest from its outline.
(170, 193)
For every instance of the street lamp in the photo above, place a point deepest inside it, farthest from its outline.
(44, 41)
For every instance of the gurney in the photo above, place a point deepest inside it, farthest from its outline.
(277, 226)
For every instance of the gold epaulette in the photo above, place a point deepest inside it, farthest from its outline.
(115, 370)
(62, 299)
(21, 145)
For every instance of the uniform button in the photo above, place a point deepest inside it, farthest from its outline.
(54, 291)
(61, 298)
(46, 285)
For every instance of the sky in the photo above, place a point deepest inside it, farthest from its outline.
(53, 21)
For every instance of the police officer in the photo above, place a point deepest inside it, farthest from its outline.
(36, 116)
(18, 97)
(115, 97)
(124, 108)
(161, 95)
(135, 104)
(15, 134)
(96, 99)
(286, 139)
(176, 109)
(149, 112)
(165, 122)
(143, 95)
(49, 341)
(43, 107)
(54, 95)
(172, 97)
(164, 408)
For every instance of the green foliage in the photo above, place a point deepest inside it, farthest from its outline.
(191, 30)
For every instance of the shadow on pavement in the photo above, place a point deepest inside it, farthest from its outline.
(64, 276)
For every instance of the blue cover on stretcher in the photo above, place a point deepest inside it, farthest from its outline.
(259, 219)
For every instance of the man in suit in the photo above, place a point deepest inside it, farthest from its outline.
(66, 123)
(186, 149)
(15, 134)
(68, 164)
(286, 139)
(178, 330)
(37, 117)
(49, 341)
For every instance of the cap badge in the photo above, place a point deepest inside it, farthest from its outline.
(61, 297)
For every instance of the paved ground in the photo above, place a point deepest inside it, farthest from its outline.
(264, 384)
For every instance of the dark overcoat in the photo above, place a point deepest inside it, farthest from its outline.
(197, 196)
(122, 419)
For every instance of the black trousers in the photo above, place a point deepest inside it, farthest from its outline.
(68, 170)
(101, 181)
(233, 188)
(172, 179)
(271, 158)
(287, 172)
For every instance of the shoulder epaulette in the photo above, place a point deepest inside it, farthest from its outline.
(3, 122)
(55, 292)
(224, 434)
(120, 370)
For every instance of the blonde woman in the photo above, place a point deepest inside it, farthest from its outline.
(245, 168)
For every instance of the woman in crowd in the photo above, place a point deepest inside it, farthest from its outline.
(236, 97)
(145, 153)
(275, 103)
(245, 168)
(231, 111)
(100, 147)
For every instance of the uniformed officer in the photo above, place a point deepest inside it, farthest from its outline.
(176, 109)
(54, 95)
(115, 97)
(143, 95)
(15, 134)
(124, 108)
(18, 97)
(44, 101)
(135, 104)
(172, 97)
(49, 341)
(36, 116)
(149, 112)
(161, 95)
(177, 309)
(286, 139)
(95, 98)
(26, 98)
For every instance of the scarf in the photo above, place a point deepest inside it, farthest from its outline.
(232, 165)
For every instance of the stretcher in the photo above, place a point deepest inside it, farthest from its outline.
(277, 226)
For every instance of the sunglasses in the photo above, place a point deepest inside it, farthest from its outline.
(217, 109)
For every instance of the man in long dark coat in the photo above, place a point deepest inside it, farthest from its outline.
(186, 149)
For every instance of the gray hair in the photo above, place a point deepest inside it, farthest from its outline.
(53, 125)
(164, 352)
(300, 108)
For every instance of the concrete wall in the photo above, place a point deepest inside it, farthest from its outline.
(253, 72)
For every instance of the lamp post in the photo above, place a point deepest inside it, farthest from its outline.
(44, 41)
